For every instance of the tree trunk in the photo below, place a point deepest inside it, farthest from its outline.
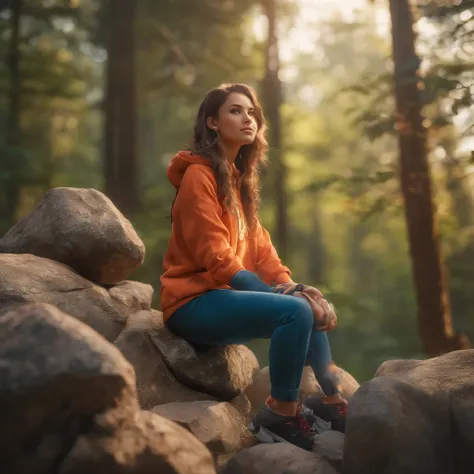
(273, 98)
(435, 325)
(121, 158)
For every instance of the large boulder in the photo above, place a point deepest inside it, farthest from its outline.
(279, 458)
(448, 381)
(220, 426)
(395, 427)
(259, 390)
(149, 445)
(156, 385)
(82, 229)
(28, 279)
(224, 372)
(448, 372)
(55, 375)
(69, 405)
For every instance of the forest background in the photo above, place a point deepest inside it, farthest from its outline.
(368, 192)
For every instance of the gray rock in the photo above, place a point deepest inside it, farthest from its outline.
(462, 429)
(56, 374)
(133, 294)
(224, 372)
(29, 279)
(448, 381)
(220, 426)
(156, 385)
(330, 445)
(149, 445)
(395, 427)
(242, 403)
(82, 229)
(438, 374)
(280, 458)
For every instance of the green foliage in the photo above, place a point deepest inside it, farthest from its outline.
(18, 165)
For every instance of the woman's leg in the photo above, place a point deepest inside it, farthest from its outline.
(227, 317)
(320, 359)
(332, 407)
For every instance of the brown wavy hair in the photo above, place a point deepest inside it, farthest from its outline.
(250, 158)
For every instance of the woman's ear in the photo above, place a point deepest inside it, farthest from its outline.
(212, 123)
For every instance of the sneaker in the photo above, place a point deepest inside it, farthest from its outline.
(317, 424)
(334, 413)
(271, 427)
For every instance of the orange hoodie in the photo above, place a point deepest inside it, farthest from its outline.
(205, 249)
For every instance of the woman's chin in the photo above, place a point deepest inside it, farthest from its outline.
(247, 141)
(241, 142)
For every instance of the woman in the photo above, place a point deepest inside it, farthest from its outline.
(223, 281)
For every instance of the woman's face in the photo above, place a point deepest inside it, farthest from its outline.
(236, 122)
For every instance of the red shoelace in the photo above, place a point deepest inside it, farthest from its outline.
(303, 424)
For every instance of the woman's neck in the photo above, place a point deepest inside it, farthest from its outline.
(229, 151)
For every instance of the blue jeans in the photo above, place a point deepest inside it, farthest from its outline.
(222, 317)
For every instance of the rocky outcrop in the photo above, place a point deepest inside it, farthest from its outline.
(69, 404)
(82, 229)
(29, 279)
(91, 380)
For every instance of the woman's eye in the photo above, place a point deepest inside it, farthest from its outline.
(235, 111)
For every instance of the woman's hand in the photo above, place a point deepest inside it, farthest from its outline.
(329, 321)
(324, 316)
(290, 288)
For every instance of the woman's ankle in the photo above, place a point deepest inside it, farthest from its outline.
(282, 407)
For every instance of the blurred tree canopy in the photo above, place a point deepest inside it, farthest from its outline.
(346, 230)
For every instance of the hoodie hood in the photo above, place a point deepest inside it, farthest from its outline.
(179, 165)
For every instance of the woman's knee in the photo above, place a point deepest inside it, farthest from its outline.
(299, 311)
